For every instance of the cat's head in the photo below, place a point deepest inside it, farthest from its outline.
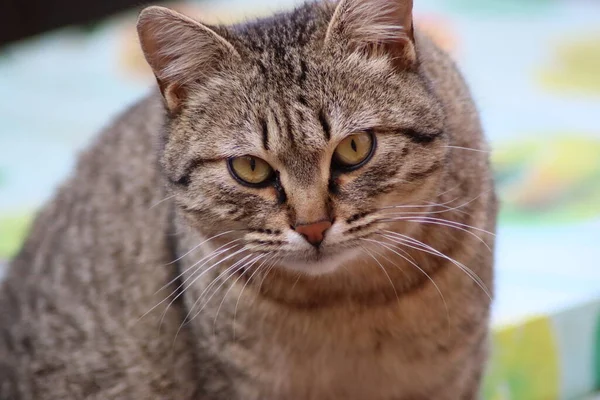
(300, 130)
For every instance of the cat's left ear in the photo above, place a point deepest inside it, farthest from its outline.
(373, 28)
(180, 51)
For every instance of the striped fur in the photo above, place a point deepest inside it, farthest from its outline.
(154, 274)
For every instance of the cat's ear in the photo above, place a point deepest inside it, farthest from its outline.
(180, 51)
(375, 27)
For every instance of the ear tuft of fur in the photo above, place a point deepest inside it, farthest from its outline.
(375, 27)
(180, 50)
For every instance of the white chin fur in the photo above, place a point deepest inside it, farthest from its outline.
(328, 264)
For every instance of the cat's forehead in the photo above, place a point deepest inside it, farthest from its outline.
(291, 133)
(283, 32)
(282, 47)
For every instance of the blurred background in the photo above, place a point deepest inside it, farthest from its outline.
(68, 67)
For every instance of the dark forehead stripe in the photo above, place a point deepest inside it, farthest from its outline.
(303, 70)
(301, 117)
(302, 100)
(263, 69)
(419, 137)
(325, 124)
(277, 121)
(418, 175)
(289, 126)
(265, 133)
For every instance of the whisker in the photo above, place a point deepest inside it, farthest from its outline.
(468, 148)
(383, 269)
(268, 258)
(198, 277)
(162, 201)
(469, 201)
(296, 281)
(267, 273)
(208, 257)
(249, 264)
(229, 271)
(447, 208)
(418, 206)
(406, 253)
(418, 268)
(198, 245)
(448, 191)
(187, 318)
(412, 243)
(447, 223)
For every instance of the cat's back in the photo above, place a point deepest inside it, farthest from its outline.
(450, 87)
(71, 302)
(116, 174)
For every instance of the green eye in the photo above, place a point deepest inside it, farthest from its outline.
(354, 151)
(250, 170)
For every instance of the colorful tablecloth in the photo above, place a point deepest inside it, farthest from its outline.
(534, 67)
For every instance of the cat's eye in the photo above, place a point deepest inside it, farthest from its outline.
(250, 170)
(354, 151)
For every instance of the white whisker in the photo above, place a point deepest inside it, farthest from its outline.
(383, 269)
(450, 225)
(418, 245)
(187, 318)
(403, 252)
(447, 223)
(198, 245)
(247, 265)
(229, 270)
(210, 256)
(198, 277)
(162, 201)
(448, 191)
(418, 268)
(468, 148)
(268, 258)
(267, 273)
(418, 206)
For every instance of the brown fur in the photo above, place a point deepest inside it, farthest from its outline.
(251, 310)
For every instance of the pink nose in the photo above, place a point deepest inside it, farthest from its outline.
(314, 232)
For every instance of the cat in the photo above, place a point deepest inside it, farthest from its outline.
(303, 209)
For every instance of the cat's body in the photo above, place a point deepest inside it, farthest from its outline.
(76, 310)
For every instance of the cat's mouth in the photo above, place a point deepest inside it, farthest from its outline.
(318, 261)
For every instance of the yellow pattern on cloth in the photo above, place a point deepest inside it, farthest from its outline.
(524, 363)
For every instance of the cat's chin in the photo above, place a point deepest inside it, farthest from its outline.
(320, 263)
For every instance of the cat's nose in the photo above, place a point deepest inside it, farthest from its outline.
(313, 232)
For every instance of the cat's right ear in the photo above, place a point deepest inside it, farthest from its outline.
(180, 51)
(374, 28)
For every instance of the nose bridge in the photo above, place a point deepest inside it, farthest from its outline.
(308, 199)
(305, 182)
(309, 204)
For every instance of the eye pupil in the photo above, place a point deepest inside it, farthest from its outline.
(250, 170)
(354, 151)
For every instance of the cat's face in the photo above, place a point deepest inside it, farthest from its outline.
(301, 149)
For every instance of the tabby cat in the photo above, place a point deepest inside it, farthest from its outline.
(303, 210)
